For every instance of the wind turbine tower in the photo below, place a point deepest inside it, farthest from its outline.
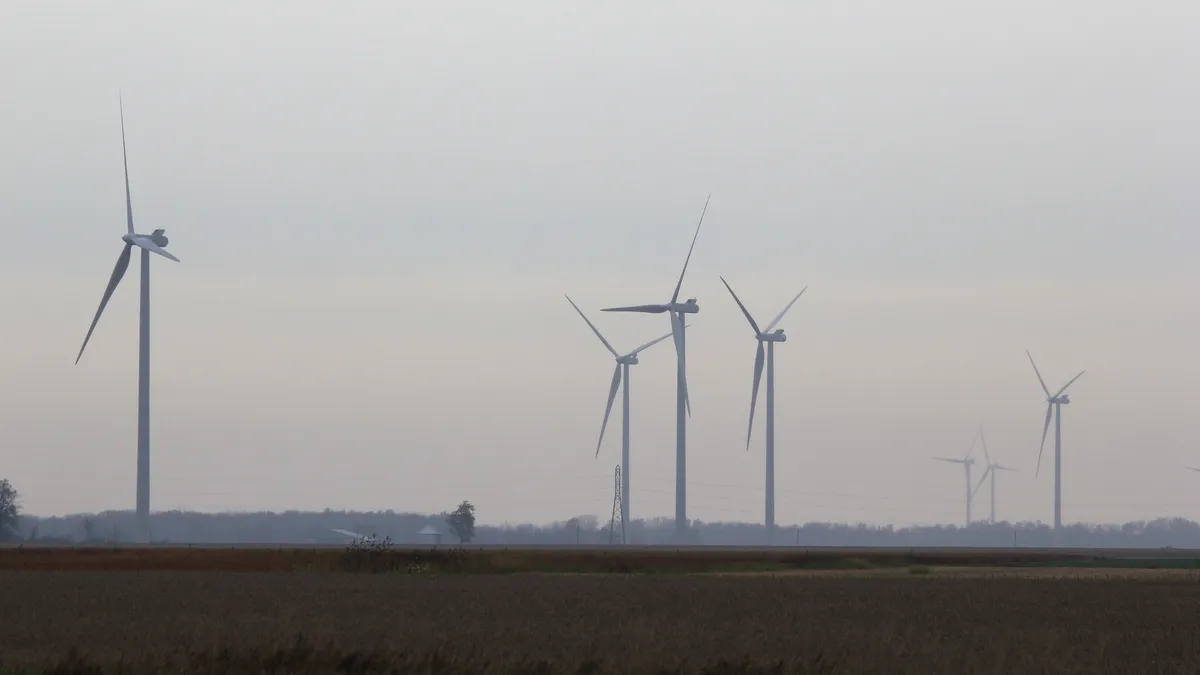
(1054, 404)
(620, 373)
(154, 242)
(967, 461)
(992, 468)
(768, 337)
(683, 407)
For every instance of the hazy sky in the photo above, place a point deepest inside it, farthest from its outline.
(379, 205)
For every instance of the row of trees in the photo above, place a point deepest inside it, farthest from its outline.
(297, 527)
(461, 523)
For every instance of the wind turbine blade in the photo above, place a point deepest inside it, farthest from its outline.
(125, 161)
(148, 244)
(971, 449)
(612, 394)
(771, 326)
(982, 438)
(758, 369)
(687, 399)
(117, 273)
(745, 311)
(1045, 430)
(952, 461)
(644, 309)
(649, 344)
(1039, 375)
(1002, 468)
(1064, 387)
(1193, 468)
(593, 327)
(677, 331)
(675, 296)
(981, 479)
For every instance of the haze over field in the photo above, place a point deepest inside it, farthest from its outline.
(378, 208)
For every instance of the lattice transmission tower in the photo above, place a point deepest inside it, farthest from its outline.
(616, 526)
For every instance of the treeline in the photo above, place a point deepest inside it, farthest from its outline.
(297, 527)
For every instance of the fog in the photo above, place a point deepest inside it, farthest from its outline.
(379, 207)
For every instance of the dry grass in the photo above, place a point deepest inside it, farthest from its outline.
(983, 572)
(211, 622)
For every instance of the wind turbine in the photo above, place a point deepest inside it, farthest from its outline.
(769, 336)
(992, 468)
(621, 372)
(966, 462)
(683, 407)
(154, 242)
(1054, 404)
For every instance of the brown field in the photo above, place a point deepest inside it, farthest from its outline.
(242, 610)
(229, 623)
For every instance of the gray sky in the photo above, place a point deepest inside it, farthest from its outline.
(379, 205)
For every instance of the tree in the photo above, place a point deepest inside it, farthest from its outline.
(10, 510)
(462, 522)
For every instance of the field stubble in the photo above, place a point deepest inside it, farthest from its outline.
(940, 623)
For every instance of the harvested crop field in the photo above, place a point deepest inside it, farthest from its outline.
(220, 622)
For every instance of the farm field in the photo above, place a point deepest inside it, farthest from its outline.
(843, 622)
(237, 610)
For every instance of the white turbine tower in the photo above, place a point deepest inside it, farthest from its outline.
(992, 468)
(966, 462)
(683, 407)
(1054, 404)
(148, 243)
(620, 373)
(769, 336)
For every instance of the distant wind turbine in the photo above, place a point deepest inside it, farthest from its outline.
(1054, 404)
(683, 406)
(769, 336)
(966, 462)
(992, 468)
(154, 242)
(621, 372)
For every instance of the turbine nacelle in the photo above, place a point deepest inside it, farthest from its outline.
(158, 237)
(154, 242)
(628, 360)
(689, 307)
(774, 336)
(1061, 400)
